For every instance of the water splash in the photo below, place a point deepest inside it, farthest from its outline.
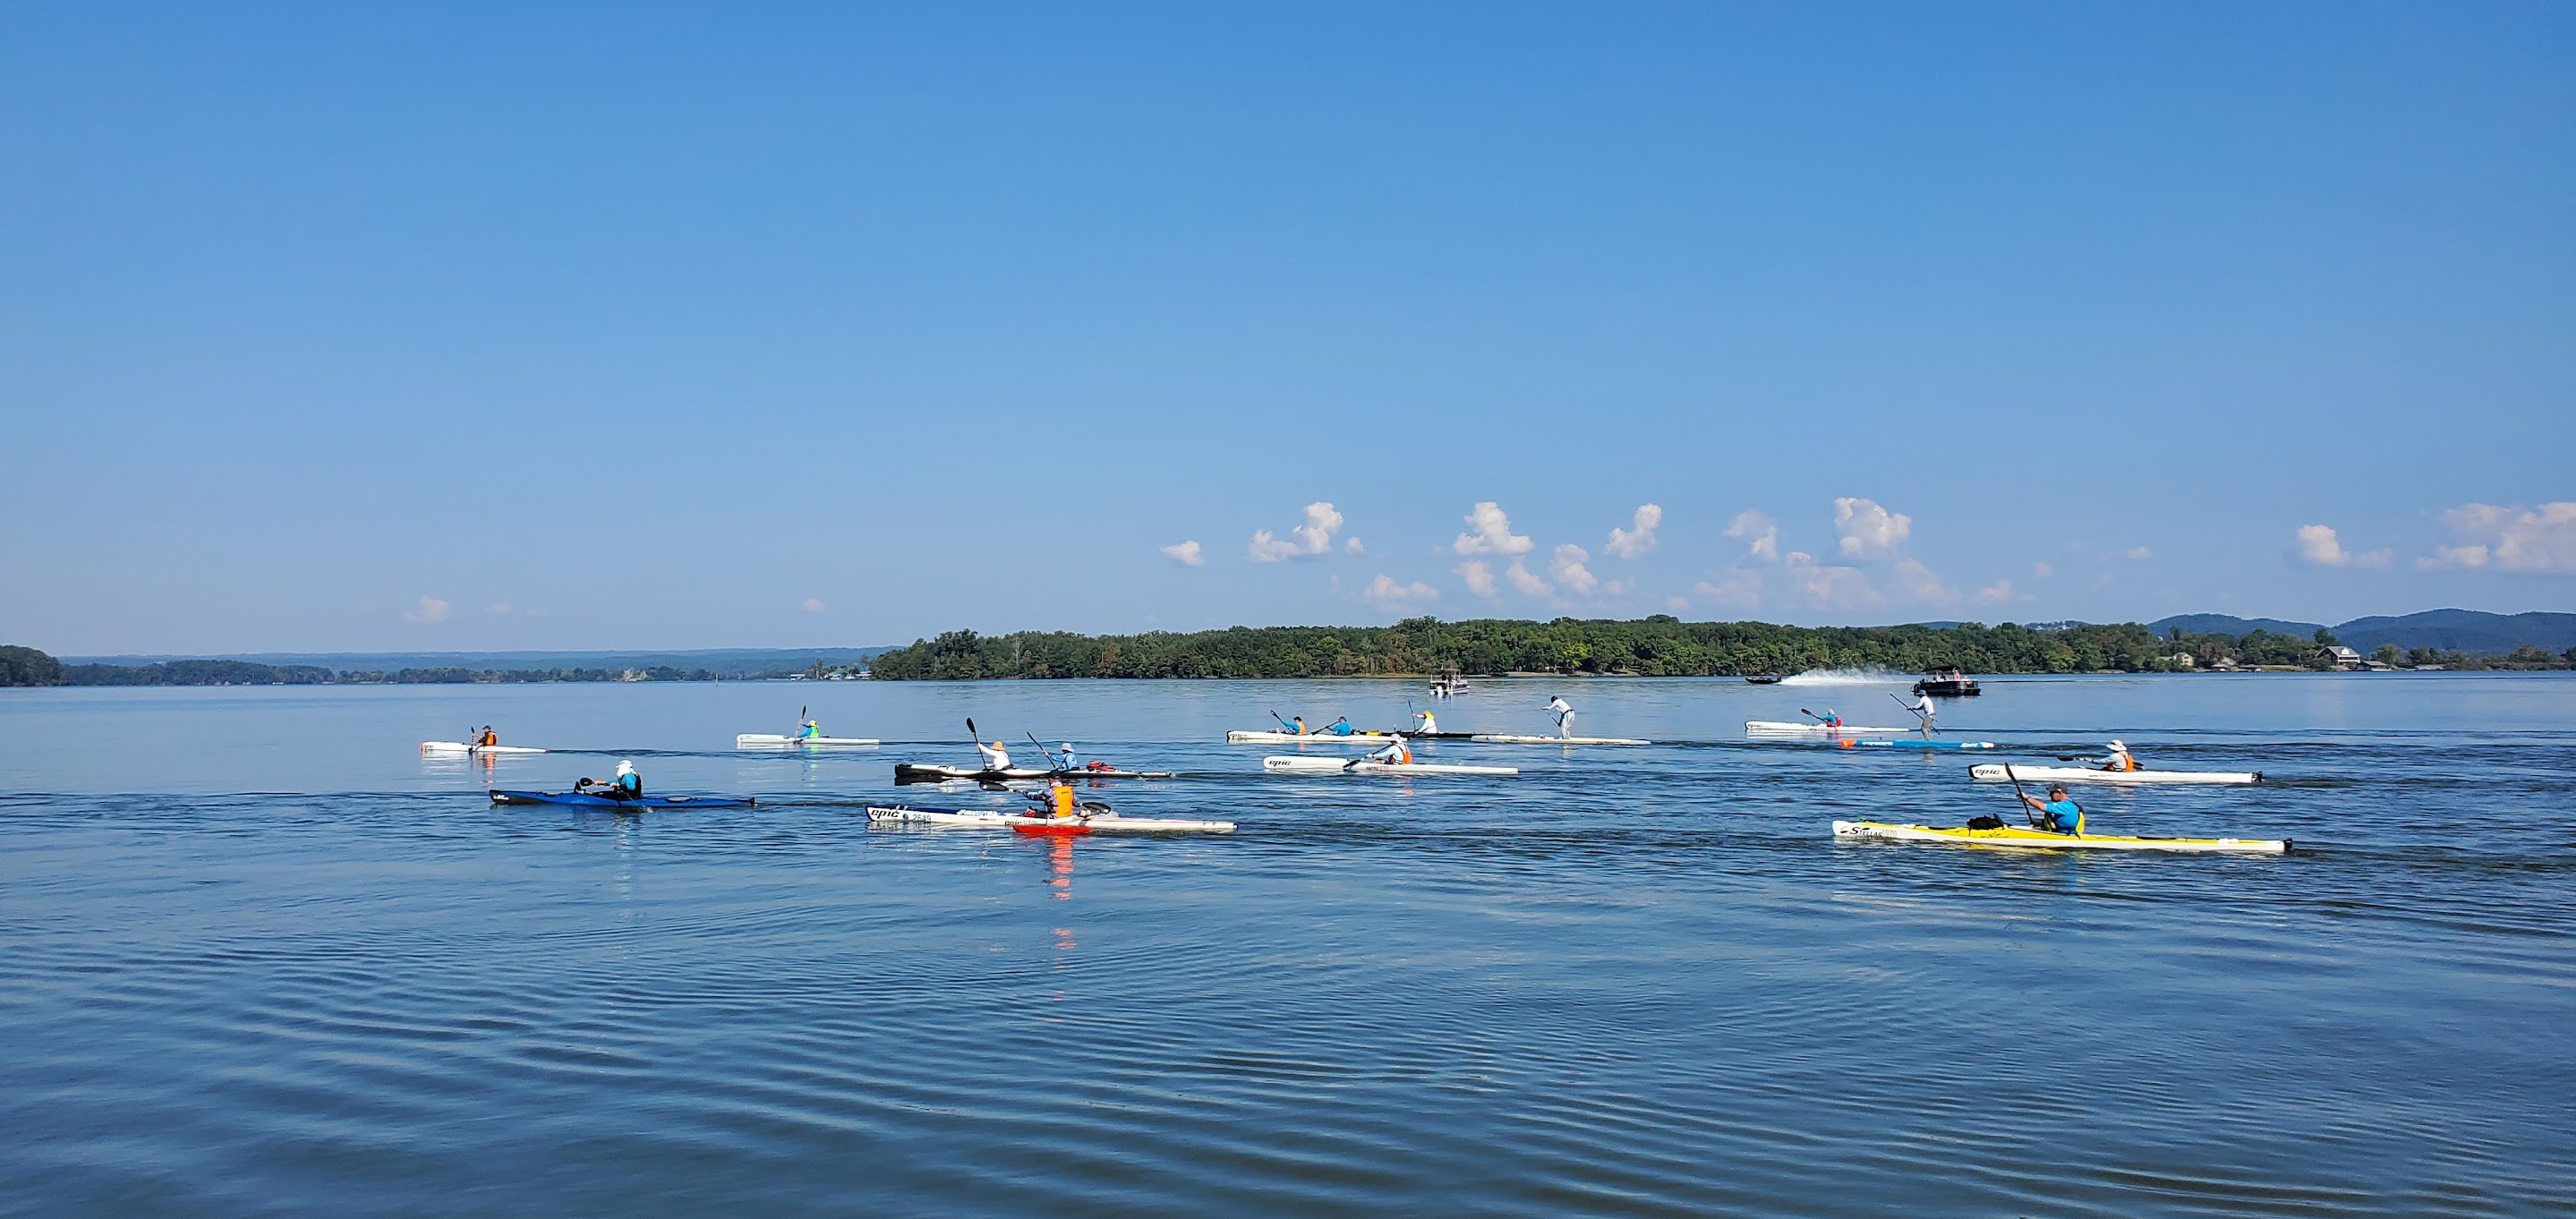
(1849, 677)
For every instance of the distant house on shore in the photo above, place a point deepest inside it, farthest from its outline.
(2341, 657)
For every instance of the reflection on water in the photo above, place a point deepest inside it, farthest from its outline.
(285, 965)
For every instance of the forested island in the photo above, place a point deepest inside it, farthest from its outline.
(1659, 646)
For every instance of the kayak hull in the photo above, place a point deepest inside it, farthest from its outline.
(772, 740)
(1917, 744)
(1374, 739)
(586, 800)
(1783, 728)
(484, 750)
(2017, 837)
(1326, 766)
(1093, 823)
(1992, 772)
(908, 772)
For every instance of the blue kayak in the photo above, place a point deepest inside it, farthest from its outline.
(587, 800)
(1921, 744)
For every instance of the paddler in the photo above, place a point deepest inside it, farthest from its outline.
(627, 785)
(1068, 757)
(1424, 724)
(1830, 719)
(1297, 725)
(1922, 706)
(1058, 802)
(2119, 759)
(1340, 727)
(996, 757)
(808, 730)
(1396, 753)
(2057, 814)
(1564, 713)
(487, 738)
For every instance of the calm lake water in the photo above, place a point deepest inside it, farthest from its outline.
(260, 957)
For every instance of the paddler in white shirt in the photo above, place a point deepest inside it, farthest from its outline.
(1922, 706)
(1425, 725)
(995, 756)
(1564, 713)
(1397, 753)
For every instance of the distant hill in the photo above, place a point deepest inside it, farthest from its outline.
(731, 662)
(2475, 632)
(2229, 624)
(2456, 630)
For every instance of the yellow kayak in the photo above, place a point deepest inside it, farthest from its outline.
(2017, 836)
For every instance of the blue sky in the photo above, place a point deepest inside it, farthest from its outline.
(468, 327)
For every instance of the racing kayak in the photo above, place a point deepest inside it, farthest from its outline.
(587, 800)
(1298, 765)
(1311, 738)
(1993, 773)
(462, 747)
(1918, 744)
(1380, 738)
(773, 740)
(1810, 731)
(2017, 836)
(908, 772)
(1087, 823)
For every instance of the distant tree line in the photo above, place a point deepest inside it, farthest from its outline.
(1660, 646)
(2268, 648)
(29, 667)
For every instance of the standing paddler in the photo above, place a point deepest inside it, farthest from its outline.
(1564, 713)
(1923, 710)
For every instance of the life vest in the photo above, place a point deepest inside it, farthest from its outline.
(1061, 798)
(489, 737)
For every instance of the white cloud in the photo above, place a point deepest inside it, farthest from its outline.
(430, 609)
(1493, 532)
(1522, 579)
(1867, 530)
(1187, 554)
(1761, 534)
(2540, 541)
(1631, 542)
(2140, 552)
(813, 606)
(1385, 592)
(1737, 589)
(1305, 541)
(1832, 588)
(1996, 593)
(2453, 556)
(2042, 570)
(2319, 547)
(1353, 546)
(1479, 576)
(499, 607)
(1566, 566)
(1915, 582)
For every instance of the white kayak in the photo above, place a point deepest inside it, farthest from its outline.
(1995, 773)
(462, 747)
(2030, 839)
(773, 740)
(1375, 739)
(1813, 731)
(1087, 823)
(1297, 765)
(1497, 738)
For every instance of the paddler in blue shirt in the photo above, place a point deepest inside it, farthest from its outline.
(1297, 725)
(1831, 718)
(627, 785)
(2057, 814)
(808, 731)
(1340, 727)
